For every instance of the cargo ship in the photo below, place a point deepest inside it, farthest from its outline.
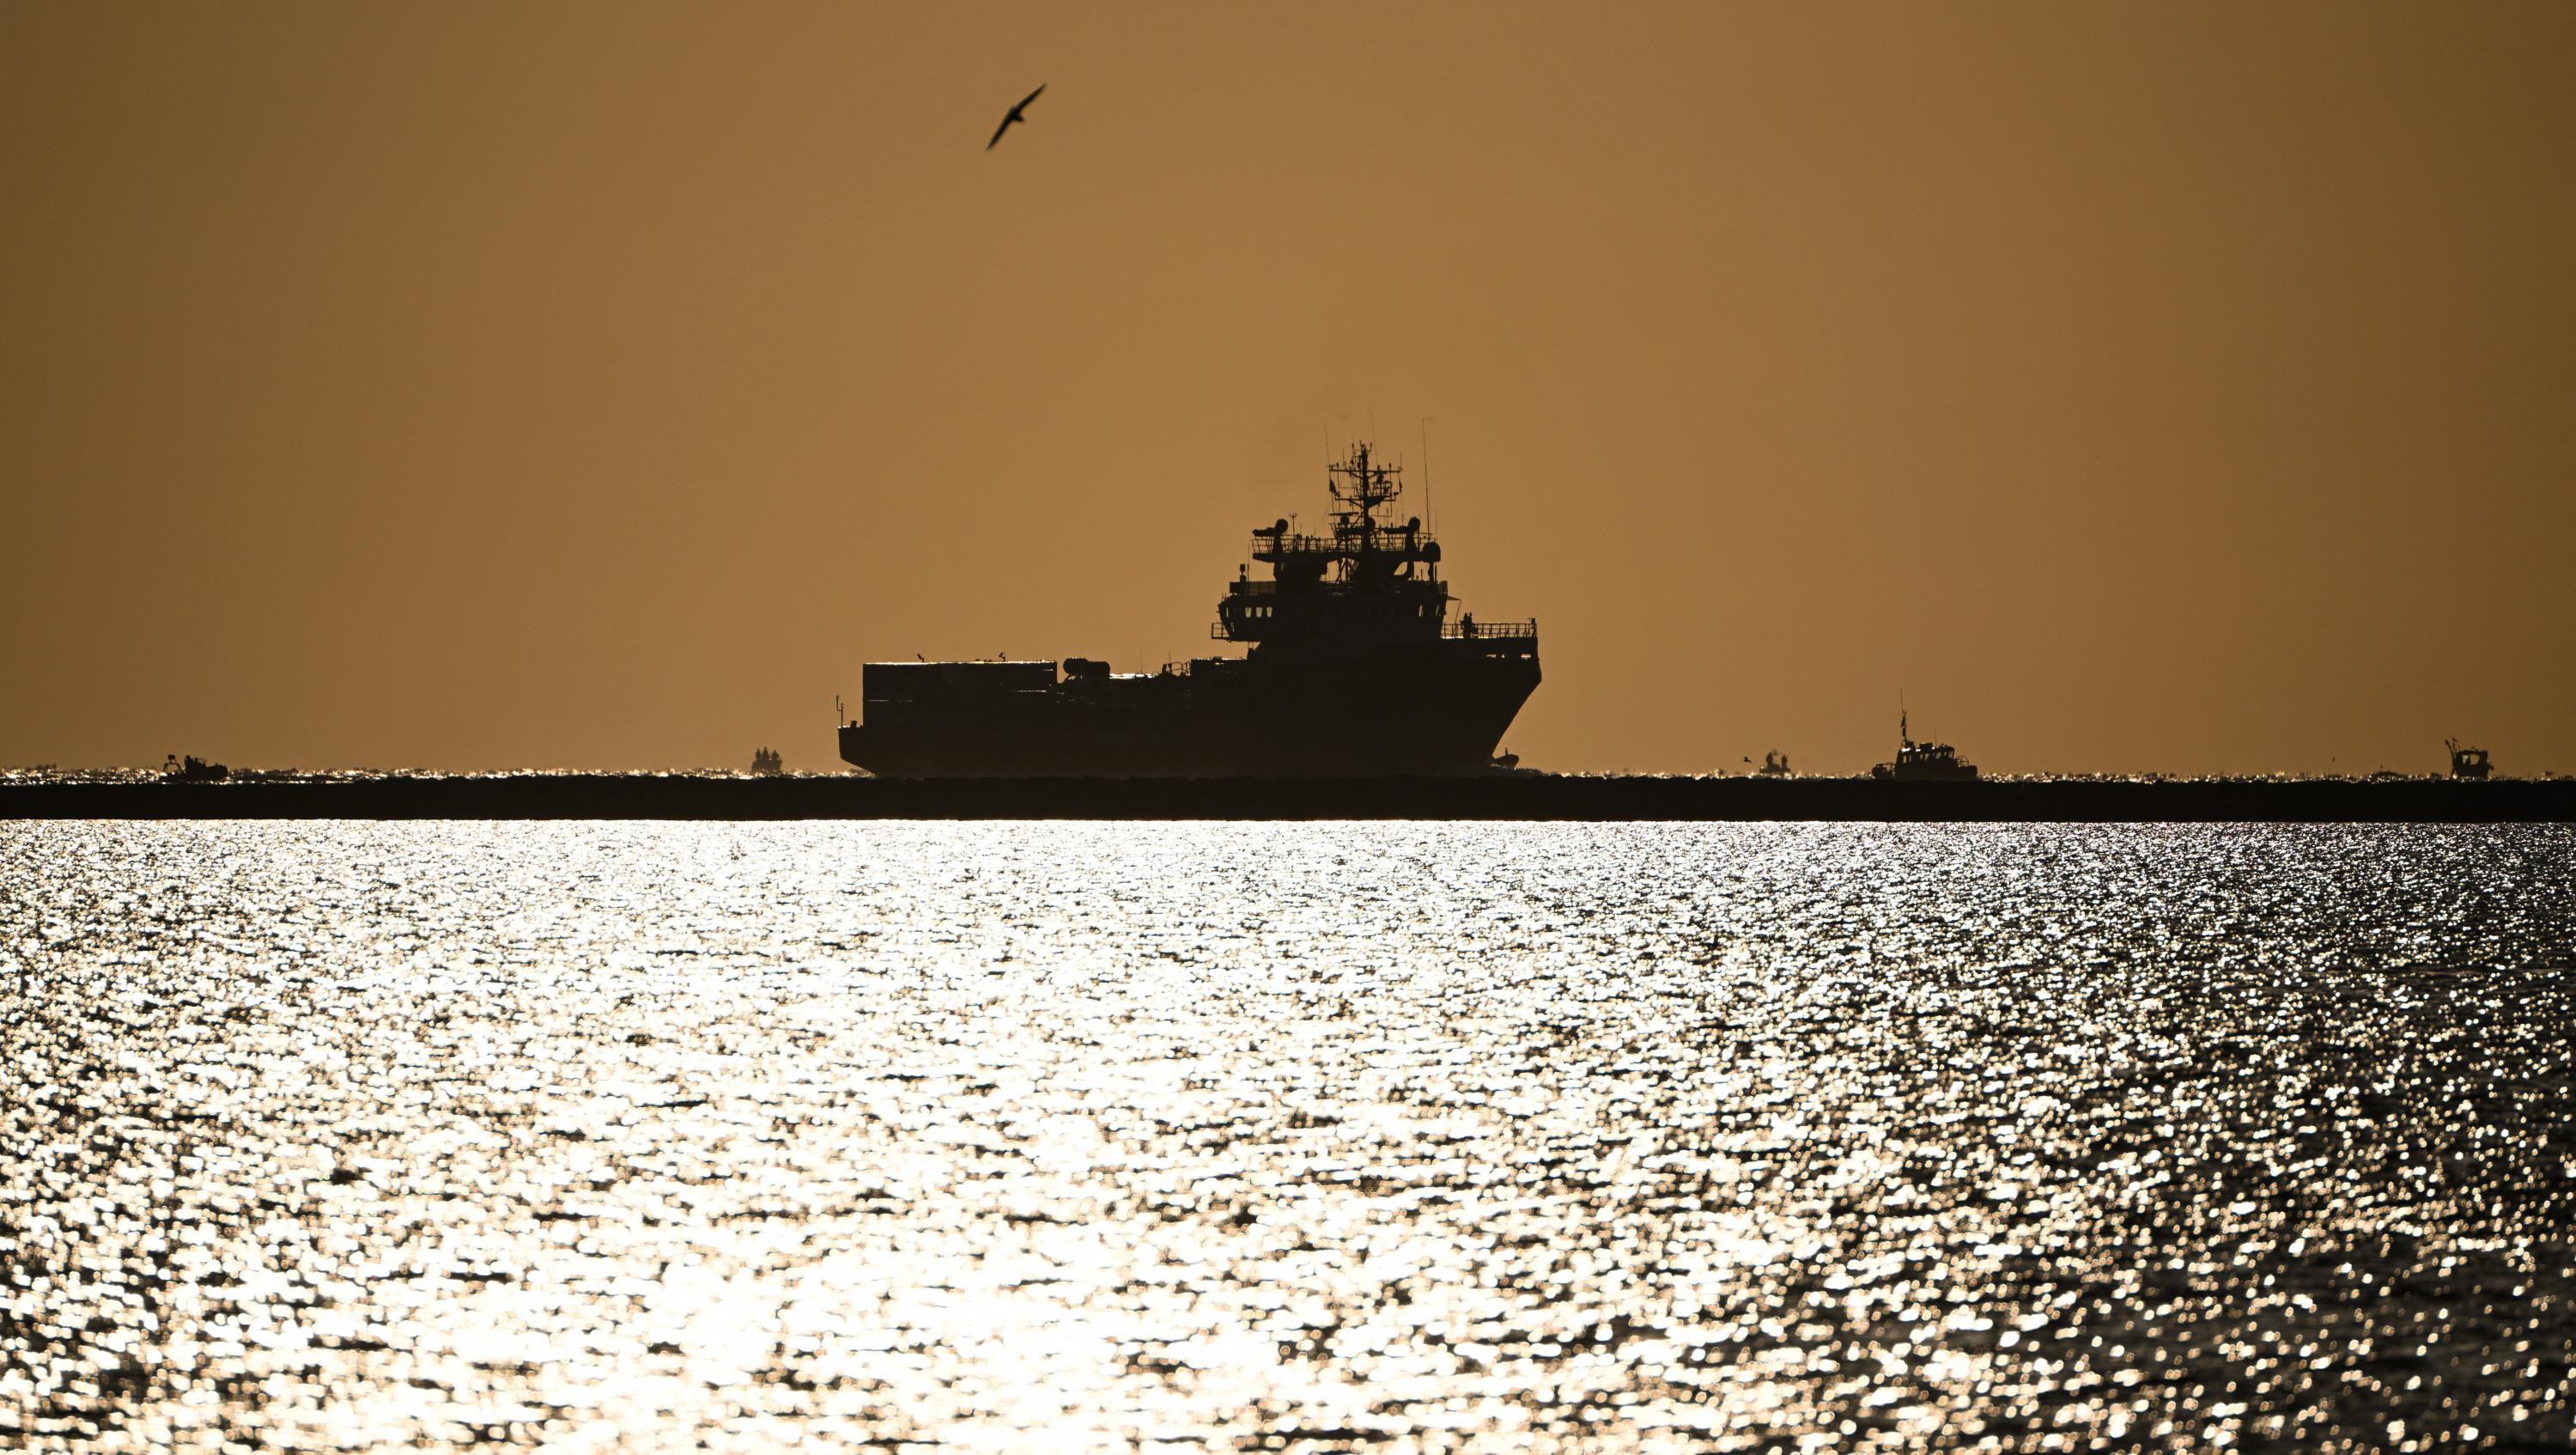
(1353, 666)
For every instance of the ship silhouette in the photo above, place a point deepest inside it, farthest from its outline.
(2468, 763)
(1353, 667)
(1923, 762)
(193, 770)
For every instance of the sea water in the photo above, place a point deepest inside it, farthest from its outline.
(1315, 1136)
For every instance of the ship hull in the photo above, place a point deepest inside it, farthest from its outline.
(1226, 719)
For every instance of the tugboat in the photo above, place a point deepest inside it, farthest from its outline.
(194, 770)
(1352, 667)
(2468, 763)
(1923, 762)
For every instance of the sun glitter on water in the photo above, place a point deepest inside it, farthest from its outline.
(1313, 1137)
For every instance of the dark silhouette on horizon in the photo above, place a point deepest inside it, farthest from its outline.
(1018, 113)
(2468, 763)
(1353, 666)
(1922, 762)
(1498, 797)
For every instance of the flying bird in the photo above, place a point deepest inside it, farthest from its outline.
(1017, 114)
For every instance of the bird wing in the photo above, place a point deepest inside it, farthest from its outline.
(1013, 116)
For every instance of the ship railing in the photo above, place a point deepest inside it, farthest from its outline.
(1268, 547)
(1264, 547)
(1404, 630)
(1404, 586)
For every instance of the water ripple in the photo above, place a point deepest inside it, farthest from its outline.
(1285, 1137)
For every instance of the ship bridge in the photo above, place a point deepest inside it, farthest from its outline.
(1372, 582)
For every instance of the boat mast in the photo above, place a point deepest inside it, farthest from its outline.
(1360, 485)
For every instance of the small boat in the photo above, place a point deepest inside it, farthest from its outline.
(1923, 762)
(194, 770)
(2468, 763)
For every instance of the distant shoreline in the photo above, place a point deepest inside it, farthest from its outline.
(1523, 797)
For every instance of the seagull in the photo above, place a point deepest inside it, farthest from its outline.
(1016, 115)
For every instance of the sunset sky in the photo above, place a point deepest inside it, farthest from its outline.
(2132, 387)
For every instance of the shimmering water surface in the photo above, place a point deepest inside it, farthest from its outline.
(1315, 1136)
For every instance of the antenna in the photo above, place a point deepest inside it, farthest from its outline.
(1428, 518)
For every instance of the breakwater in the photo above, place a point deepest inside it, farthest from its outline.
(1501, 797)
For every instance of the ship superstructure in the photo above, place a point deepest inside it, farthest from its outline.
(1352, 665)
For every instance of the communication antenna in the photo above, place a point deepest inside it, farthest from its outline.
(1428, 518)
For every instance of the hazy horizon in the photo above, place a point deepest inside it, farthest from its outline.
(2136, 389)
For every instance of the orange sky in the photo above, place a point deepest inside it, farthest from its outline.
(2135, 387)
